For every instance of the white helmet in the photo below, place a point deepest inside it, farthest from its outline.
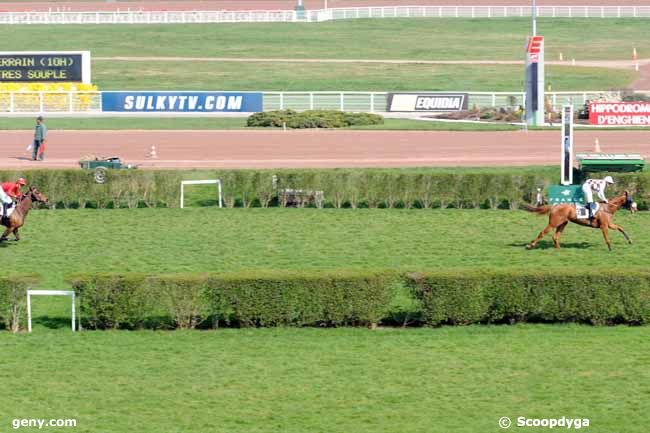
(608, 179)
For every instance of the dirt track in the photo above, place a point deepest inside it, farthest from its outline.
(281, 4)
(276, 149)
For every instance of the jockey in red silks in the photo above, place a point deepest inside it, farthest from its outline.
(9, 192)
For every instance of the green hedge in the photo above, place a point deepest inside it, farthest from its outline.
(312, 119)
(13, 299)
(318, 298)
(604, 297)
(243, 299)
(425, 188)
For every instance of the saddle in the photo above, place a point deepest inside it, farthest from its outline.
(582, 211)
(5, 218)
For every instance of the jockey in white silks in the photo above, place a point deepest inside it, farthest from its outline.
(7, 202)
(599, 186)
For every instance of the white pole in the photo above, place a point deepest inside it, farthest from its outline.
(220, 201)
(534, 13)
(182, 191)
(73, 312)
(29, 312)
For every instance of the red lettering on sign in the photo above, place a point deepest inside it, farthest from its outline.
(535, 44)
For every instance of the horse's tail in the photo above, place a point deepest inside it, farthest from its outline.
(539, 210)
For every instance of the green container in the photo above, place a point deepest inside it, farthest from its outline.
(600, 162)
(563, 194)
(91, 165)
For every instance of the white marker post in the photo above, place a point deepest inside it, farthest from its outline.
(202, 182)
(31, 293)
(567, 145)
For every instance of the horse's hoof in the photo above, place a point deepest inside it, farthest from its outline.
(530, 247)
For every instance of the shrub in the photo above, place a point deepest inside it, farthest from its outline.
(312, 119)
(341, 187)
(254, 298)
(13, 299)
(610, 296)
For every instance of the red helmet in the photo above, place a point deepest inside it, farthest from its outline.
(21, 181)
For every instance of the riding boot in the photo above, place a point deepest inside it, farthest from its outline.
(591, 212)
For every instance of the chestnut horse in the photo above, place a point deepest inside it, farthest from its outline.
(17, 218)
(560, 215)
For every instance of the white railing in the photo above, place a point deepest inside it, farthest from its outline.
(318, 15)
(147, 17)
(50, 102)
(485, 12)
(90, 102)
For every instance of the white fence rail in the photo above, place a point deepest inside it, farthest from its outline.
(90, 102)
(197, 17)
(50, 102)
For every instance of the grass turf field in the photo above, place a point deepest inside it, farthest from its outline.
(459, 380)
(191, 75)
(417, 39)
(203, 123)
(208, 239)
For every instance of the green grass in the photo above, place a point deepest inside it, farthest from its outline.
(59, 242)
(203, 123)
(425, 39)
(459, 380)
(432, 39)
(165, 75)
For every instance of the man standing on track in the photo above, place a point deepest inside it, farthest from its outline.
(40, 134)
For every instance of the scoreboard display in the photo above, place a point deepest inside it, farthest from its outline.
(45, 67)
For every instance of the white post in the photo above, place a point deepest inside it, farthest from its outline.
(73, 313)
(220, 199)
(372, 102)
(182, 194)
(311, 100)
(29, 312)
(494, 100)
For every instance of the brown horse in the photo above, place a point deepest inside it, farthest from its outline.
(17, 218)
(560, 215)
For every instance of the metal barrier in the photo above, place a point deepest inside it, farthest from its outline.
(318, 15)
(90, 102)
(50, 102)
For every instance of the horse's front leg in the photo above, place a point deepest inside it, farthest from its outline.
(16, 233)
(605, 229)
(620, 229)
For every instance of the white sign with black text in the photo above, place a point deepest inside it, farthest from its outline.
(428, 102)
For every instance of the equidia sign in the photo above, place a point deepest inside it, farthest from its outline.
(433, 102)
(619, 113)
(182, 102)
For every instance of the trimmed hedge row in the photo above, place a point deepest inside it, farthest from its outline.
(312, 119)
(318, 298)
(243, 299)
(605, 297)
(13, 299)
(110, 301)
(423, 188)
